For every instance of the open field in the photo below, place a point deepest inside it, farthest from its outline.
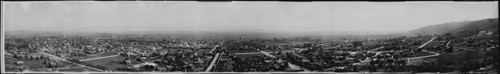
(433, 44)
(108, 62)
(250, 55)
(242, 51)
(277, 50)
(94, 55)
(371, 43)
(417, 54)
(76, 69)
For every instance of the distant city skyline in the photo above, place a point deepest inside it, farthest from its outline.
(238, 16)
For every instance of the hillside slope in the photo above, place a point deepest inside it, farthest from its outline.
(462, 27)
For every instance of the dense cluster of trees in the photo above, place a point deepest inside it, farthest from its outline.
(307, 65)
(127, 69)
(25, 57)
(244, 46)
(328, 62)
(257, 64)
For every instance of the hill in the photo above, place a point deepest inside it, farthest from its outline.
(461, 27)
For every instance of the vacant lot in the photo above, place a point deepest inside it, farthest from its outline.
(107, 62)
(270, 50)
(94, 55)
(433, 44)
(417, 54)
(77, 69)
(250, 56)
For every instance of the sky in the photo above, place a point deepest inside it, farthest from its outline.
(238, 16)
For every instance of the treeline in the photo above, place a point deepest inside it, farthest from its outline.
(29, 58)
(88, 64)
(127, 69)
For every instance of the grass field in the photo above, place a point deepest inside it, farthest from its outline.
(107, 62)
(417, 54)
(77, 69)
(277, 50)
(427, 38)
(94, 55)
(433, 44)
(371, 43)
(248, 56)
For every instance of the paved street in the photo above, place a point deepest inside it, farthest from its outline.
(90, 59)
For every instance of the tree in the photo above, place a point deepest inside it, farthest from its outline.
(37, 58)
(15, 56)
(30, 58)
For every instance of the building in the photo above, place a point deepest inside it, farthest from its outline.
(19, 63)
(127, 62)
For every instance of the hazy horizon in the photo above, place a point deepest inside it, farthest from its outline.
(239, 16)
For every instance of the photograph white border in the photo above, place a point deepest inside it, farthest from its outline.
(2, 42)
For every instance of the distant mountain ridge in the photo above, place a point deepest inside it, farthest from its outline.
(460, 27)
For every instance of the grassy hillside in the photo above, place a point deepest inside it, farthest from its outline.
(463, 27)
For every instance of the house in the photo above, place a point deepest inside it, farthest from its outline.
(127, 62)
(140, 59)
(200, 61)
(305, 60)
(19, 63)
(52, 65)
(128, 54)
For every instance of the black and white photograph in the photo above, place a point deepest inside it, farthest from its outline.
(249, 37)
